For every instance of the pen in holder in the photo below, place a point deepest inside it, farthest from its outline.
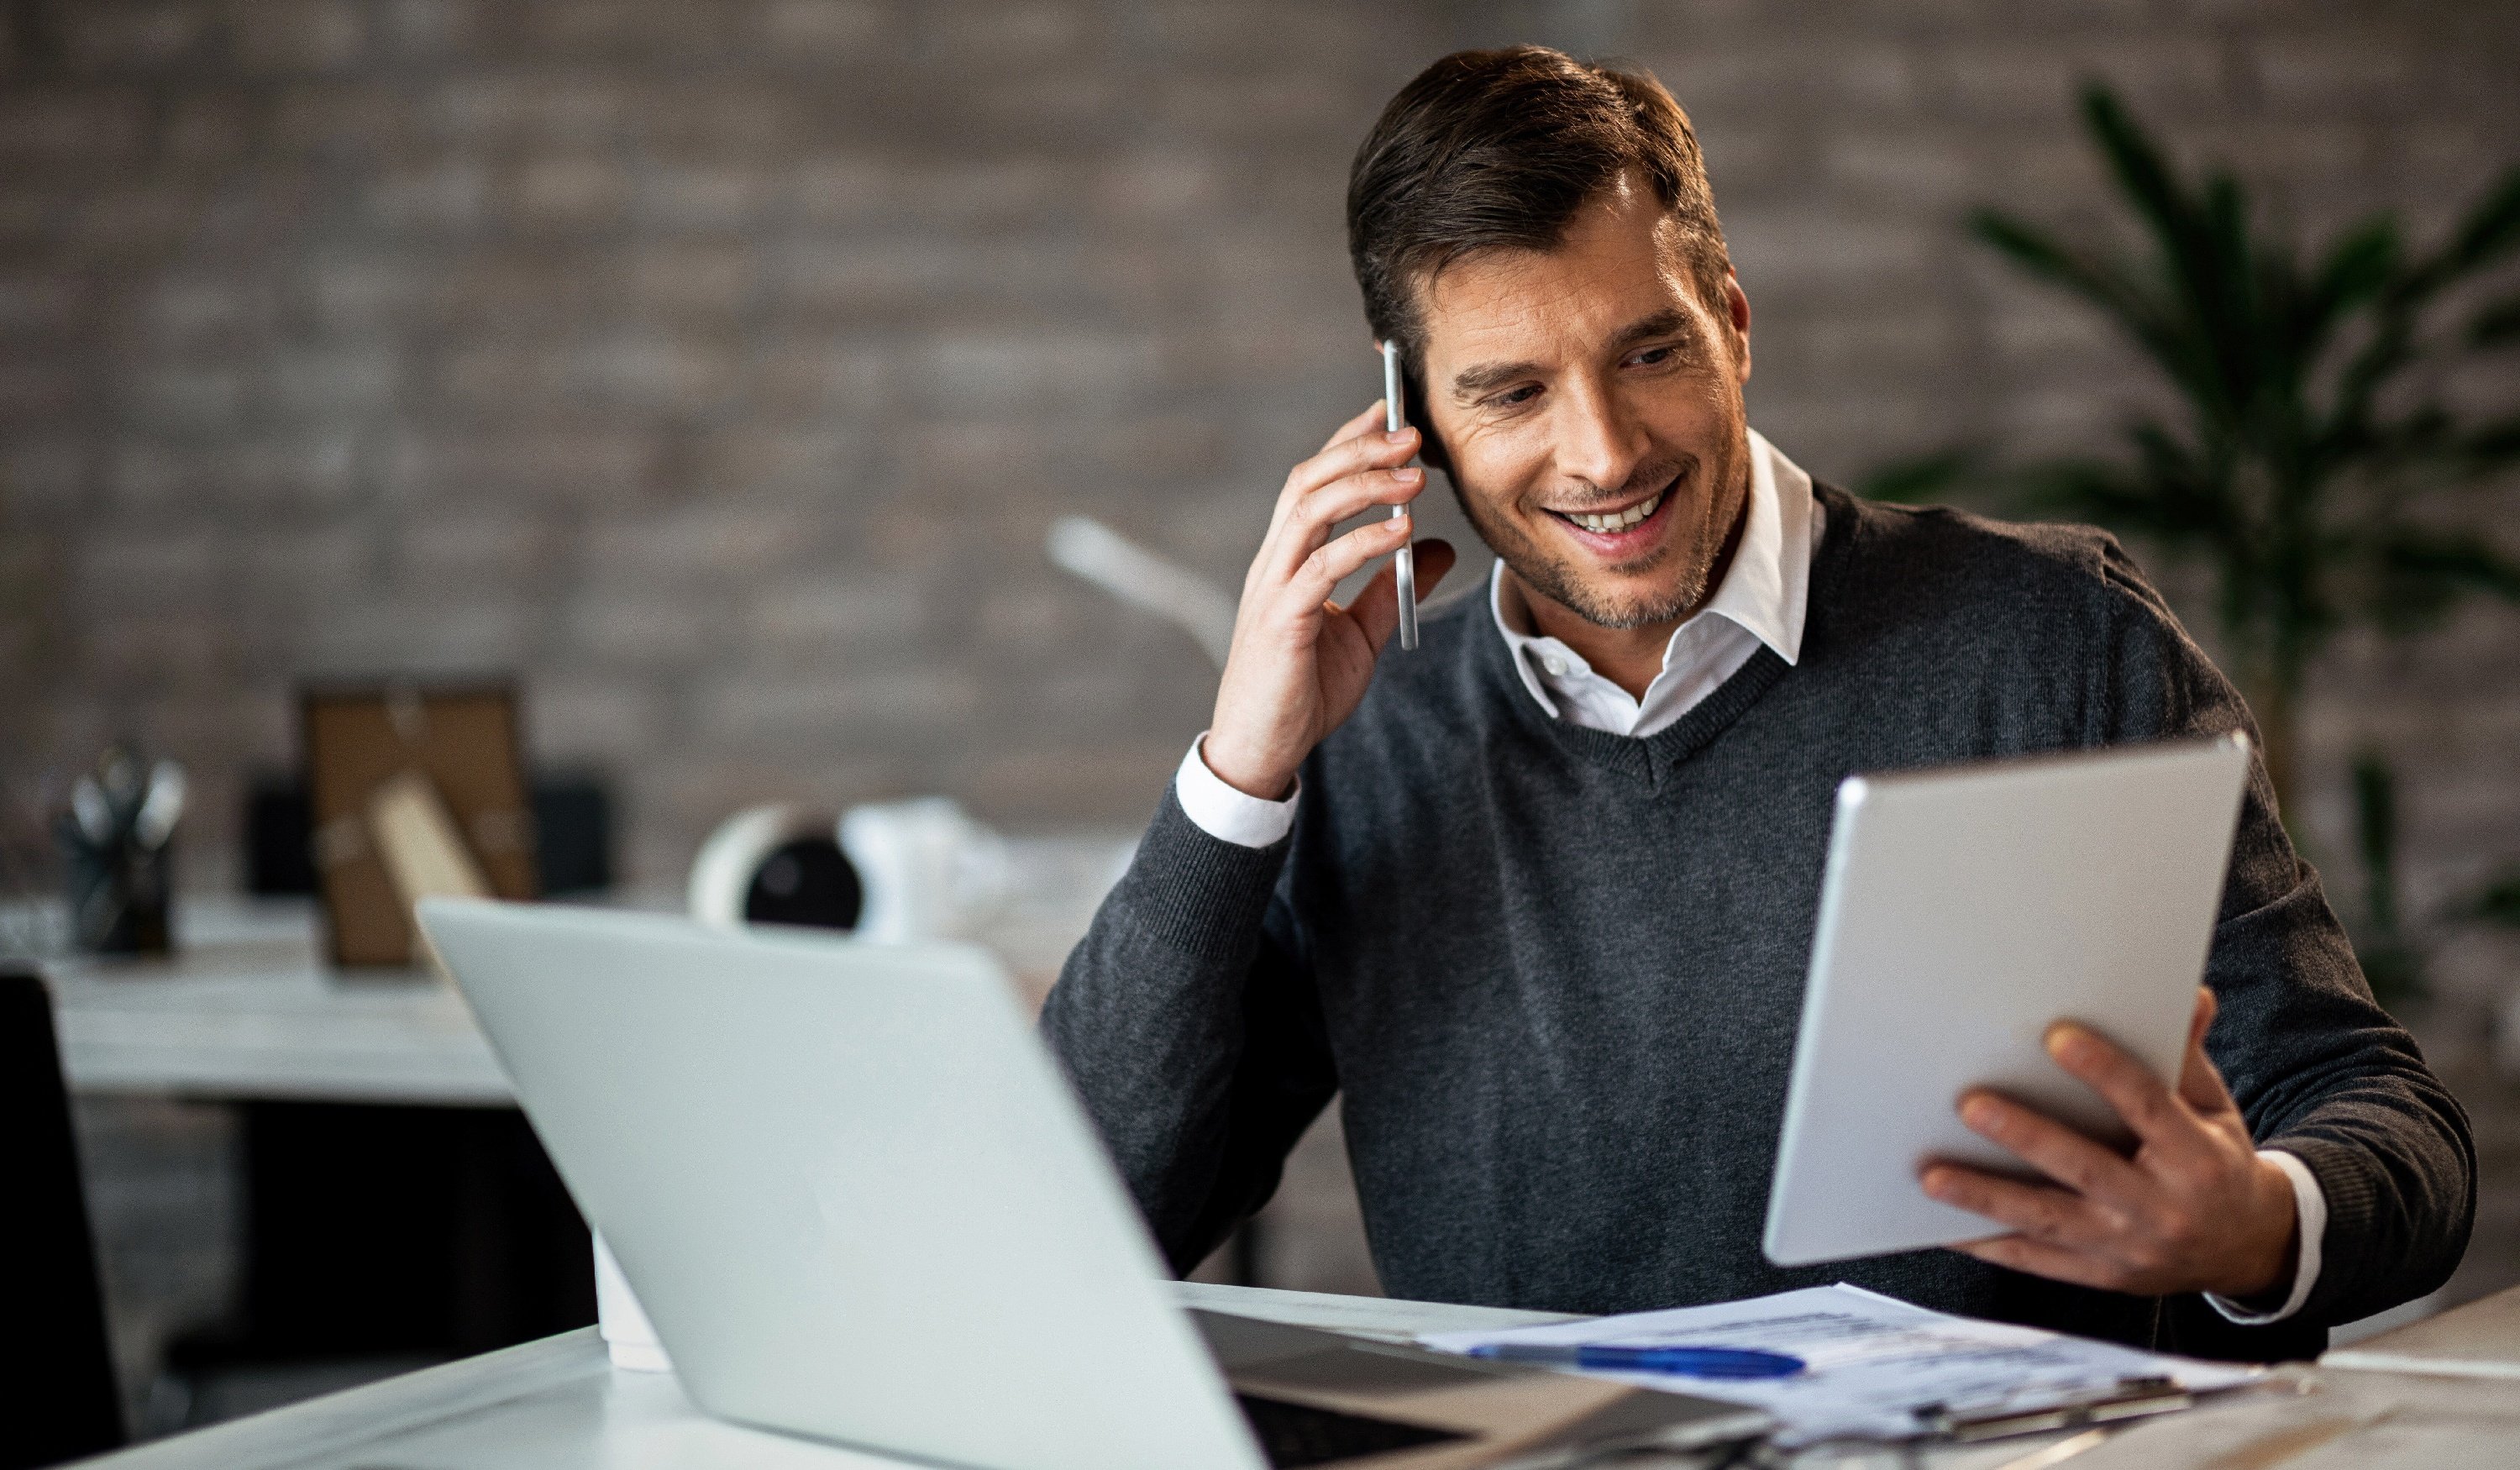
(1404, 561)
(114, 839)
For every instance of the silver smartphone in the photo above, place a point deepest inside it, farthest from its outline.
(1404, 562)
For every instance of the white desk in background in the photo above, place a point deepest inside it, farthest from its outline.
(246, 1008)
(559, 1405)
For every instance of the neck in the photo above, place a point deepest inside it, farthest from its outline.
(1629, 658)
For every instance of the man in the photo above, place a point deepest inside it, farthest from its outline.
(1537, 900)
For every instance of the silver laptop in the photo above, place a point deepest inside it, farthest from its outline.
(860, 1204)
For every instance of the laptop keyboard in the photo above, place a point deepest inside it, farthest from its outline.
(1295, 1435)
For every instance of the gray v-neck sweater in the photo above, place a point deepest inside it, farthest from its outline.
(1554, 974)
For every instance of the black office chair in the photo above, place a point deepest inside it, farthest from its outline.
(58, 1399)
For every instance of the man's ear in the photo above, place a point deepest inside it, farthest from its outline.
(1413, 411)
(1431, 444)
(1412, 391)
(1736, 311)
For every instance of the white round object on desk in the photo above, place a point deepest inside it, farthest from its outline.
(775, 864)
(930, 872)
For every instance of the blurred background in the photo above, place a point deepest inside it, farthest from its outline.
(716, 370)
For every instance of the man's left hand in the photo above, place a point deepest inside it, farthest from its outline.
(2194, 1208)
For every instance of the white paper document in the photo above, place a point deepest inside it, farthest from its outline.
(1871, 1360)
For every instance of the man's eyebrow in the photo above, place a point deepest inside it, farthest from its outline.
(1662, 323)
(1471, 381)
(1482, 377)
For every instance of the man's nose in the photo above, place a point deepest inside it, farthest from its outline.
(1599, 441)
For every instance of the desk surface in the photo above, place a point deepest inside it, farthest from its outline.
(247, 1008)
(559, 1405)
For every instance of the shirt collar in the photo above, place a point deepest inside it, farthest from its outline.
(1766, 590)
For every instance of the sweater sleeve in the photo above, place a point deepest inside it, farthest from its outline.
(1191, 1031)
(2318, 1069)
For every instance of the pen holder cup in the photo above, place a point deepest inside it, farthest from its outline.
(627, 1335)
(117, 895)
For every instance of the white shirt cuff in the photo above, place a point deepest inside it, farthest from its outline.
(1225, 814)
(2310, 1207)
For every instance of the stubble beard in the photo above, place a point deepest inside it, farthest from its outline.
(1561, 584)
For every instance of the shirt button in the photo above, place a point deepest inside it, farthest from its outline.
(1556, 667)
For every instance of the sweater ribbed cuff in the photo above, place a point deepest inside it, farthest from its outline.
(2310, 1216)
(1195, 893)
(2347, 1182)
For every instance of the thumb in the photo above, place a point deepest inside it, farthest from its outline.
(2200, 1082)
(1377, 610)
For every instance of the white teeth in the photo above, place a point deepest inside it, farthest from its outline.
(1619, 522)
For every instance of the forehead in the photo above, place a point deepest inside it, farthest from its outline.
(1622, 259)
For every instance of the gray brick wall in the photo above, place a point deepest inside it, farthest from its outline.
(719, 365)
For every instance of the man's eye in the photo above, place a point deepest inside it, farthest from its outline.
(1516, 397)
(1655, 357)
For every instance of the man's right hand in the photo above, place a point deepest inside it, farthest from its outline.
(1300, 662)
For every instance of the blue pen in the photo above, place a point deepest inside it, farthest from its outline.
(1691, 1362)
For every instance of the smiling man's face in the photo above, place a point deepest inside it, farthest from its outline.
(1591, 404)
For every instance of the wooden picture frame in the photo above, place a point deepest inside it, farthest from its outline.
(465, 741)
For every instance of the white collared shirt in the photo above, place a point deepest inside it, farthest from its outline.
(1761, 600)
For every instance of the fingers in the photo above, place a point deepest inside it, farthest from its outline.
(1327, 505)
(1311, 580)
(1368, 449)
(1377, 610)
(2040, 1211)
(2202, 1019)
(1307, 523)
(2200, 1082)
(2140, 1097)
(2039, 1259)
(1372, 417)
(2193, 1209)
(2056, 1150)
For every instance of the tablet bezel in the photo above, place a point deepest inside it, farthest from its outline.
(1964, 909)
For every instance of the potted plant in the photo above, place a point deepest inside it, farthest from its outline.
(2308, 459)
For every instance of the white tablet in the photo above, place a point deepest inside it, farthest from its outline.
(1963, 910)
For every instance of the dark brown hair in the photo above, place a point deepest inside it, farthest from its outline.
(1489, 150)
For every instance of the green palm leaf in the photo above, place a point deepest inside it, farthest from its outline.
(2306, 465)
(2300, 458)
(2496, 325)
(2490, 231)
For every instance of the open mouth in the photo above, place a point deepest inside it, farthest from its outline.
(1622, 526)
